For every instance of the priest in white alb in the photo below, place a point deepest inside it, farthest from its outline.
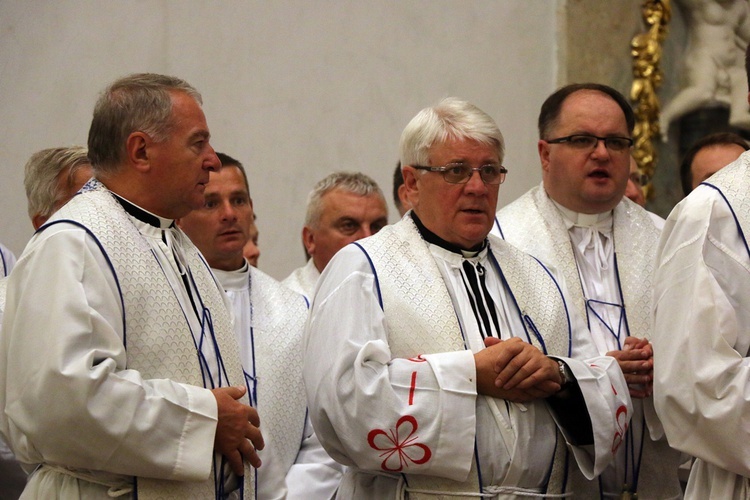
(268, 321)
(702, 340)
(120, 375)
(580, 222)
(443, 362)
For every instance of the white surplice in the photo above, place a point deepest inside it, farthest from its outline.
(608, 269)
(359, 392)
(269, 322)
(702, 314)
(72, 401)
(303, 279)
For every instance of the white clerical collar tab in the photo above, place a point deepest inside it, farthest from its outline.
(573, 218)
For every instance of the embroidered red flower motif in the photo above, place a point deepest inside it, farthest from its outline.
(399, 451)
(621, 417)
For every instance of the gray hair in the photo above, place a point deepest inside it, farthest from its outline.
(139, 102)
(41, 173)
(451, 118)
(351, 182)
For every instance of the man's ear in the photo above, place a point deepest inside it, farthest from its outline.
(136, 147)
(410, 184)
(543, 147)
(308, 239)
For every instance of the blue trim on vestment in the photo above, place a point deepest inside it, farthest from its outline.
(5, 266)
(499, 229)
(374, 272)
(734, 215)
(496, 265)
(109, 263)
(564, 302)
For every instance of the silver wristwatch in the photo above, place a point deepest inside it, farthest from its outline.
(565, 373)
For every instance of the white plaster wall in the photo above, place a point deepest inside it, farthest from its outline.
(294, 89)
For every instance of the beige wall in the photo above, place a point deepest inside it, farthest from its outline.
(294, 89)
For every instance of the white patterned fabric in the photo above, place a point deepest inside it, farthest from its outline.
(14, 478)
(701, 339)
(269, 322)
(598, 262)
(392, 386)
(7, 260)
(120, 374)
(303, 279)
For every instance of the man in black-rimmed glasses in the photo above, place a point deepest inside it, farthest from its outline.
(441, 362)
(579, 222)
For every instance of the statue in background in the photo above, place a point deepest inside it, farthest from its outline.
(646, 50)
(718, 31)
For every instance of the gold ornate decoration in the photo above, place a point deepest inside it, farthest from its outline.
(646, 49)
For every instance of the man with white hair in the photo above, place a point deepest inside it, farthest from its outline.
(446, 362)
(342, 207)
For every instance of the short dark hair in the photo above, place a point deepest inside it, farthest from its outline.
(139, 102)
(717, 139)
(550, 112)
(398, 181)
(228, 161)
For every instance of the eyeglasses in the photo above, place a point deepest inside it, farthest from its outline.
(460, 173)
(640, 179)
(586, 141)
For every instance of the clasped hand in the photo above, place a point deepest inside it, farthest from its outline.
(237, 431)
(636, 360)
(516, 371)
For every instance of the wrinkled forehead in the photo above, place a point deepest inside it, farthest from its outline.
(460, 149)
(342, 200)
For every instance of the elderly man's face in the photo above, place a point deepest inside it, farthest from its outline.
(461, 214)
(179, 166)
(345, 217)
(220, 228)
(586, 180)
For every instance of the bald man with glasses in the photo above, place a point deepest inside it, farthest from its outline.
(579, 221)
(445, 362)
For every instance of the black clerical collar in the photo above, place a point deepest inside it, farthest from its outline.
(140, 214)
(433, 238)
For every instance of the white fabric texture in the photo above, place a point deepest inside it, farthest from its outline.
(608, 259)
(702, 313)
(303, 279)
(7, 260)
(94, 413)
(13, 477)
(269, 323)
(368, 379)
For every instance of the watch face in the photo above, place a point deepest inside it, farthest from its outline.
(564, 372)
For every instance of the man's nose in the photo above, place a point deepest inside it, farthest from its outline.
(475, 183)
(212, 163)
(228, 211)
(600, 150)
